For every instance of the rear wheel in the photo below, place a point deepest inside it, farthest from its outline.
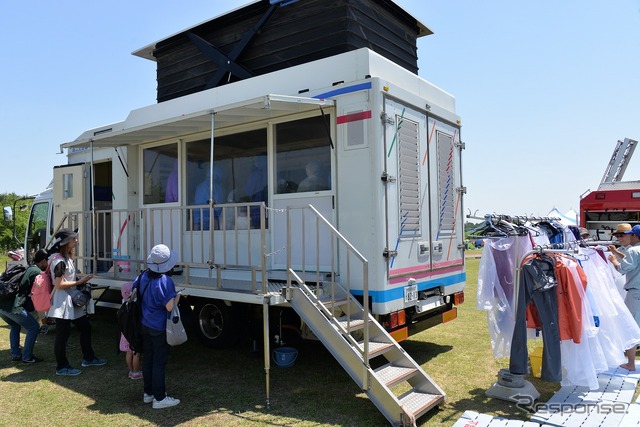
(217, 325)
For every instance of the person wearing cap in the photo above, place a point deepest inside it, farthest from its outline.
(624, 239)
(157, 294)
(629, 265)
(64, 278)
(17, 313)
(584, 233)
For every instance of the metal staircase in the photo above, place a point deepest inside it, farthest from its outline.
(399, 388)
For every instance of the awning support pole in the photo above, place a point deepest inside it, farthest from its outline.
(210, 199)
(267, 351)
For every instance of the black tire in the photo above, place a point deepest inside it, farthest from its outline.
(216, 324)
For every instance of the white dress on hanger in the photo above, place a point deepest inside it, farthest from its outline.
(617, 325)
(496, 281)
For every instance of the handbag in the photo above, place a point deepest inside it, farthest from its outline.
(80, 295)
(176, 334)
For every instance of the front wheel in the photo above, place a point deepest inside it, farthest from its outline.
(217, 325)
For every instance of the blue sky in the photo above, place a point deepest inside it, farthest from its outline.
(544, 88)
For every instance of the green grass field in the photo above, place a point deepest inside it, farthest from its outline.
(228, 387)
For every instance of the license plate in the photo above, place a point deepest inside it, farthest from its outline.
(411, 293)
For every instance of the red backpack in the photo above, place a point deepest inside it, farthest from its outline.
(41, 288)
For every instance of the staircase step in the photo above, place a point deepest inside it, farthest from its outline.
(391, 375)
(376, 348)
(417, 403)
(355, 324)
(338, 302)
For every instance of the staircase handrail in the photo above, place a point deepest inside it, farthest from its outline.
(350, 251)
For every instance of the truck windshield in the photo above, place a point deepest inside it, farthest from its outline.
(37, 229)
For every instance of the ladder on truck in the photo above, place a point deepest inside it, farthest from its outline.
(399, 387)
(619, 161)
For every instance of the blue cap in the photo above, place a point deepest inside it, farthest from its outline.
(635, 230)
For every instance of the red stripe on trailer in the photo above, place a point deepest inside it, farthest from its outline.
(354, 117)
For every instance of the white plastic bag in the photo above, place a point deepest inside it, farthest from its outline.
(176, 334)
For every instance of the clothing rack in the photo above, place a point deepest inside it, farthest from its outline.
(523, 218)
(589, 242)
(509, 385)
(512, 224)
(574, 243)
(512, 387)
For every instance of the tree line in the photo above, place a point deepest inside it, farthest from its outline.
(20, 205)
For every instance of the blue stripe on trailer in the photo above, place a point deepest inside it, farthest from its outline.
(343, 90)
(398, 293)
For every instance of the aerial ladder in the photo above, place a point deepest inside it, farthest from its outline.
(619, 162)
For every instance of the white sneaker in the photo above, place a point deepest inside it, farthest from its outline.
(167, 402)
(148, 398)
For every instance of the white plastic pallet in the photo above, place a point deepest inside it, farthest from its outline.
(632, 418)
(611, 388)
(598, 414)
(621, 372)
(475, 419)
(576, 406)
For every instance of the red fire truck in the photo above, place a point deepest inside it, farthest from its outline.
(614, 201)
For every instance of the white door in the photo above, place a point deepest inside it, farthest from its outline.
(447, 224)
(407, 190)
(71, 196)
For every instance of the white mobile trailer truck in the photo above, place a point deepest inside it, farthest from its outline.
(332, 189)
(393, 192)
(392, 187)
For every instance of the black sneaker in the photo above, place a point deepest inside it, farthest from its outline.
(16, 358)
(33, 359)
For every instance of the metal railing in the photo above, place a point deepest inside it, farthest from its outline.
(233, 236)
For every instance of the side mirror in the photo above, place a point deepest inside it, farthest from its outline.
(8, 213)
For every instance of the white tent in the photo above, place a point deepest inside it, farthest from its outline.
(570, 218)
(573, 216)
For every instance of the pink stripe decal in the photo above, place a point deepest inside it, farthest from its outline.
(418, 273)
(423, 267)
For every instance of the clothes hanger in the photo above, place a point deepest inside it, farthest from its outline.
(488, 229)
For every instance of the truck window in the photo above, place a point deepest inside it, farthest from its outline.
(161, 175)
(239, 170)
(303, 156)
(236, 157)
